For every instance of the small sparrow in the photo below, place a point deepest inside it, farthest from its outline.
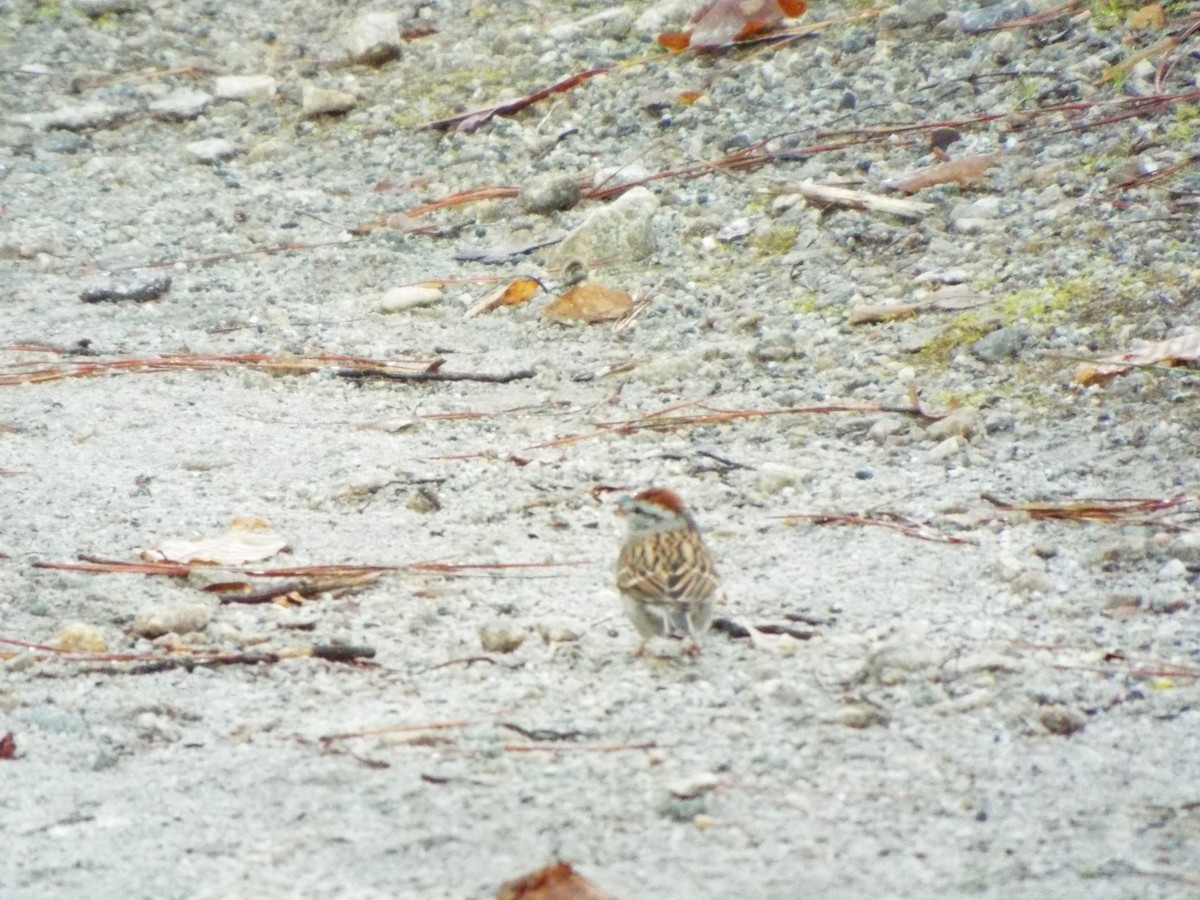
(665, 574)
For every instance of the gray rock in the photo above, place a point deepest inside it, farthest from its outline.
(912, 13)
(63, 142)
(548, 192)
(94, 9)
(180, 106)
(374, 38)
(1186, 547)
(1003, 343)
(959, 423)
(82, 117)
(976, 21)
(211, 151)
(318, 101)
(619, 232)
(245, 87)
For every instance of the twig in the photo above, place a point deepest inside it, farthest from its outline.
(659, 422)
(367, 374)
(1100, 509)
(469, 121)
(594, 748)
(149, 663)
(829, 196)
(919, 530)
(392, 729)
(96, 565)
(300, 590)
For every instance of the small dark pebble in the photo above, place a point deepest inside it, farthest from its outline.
(941, 138)
(864, 474)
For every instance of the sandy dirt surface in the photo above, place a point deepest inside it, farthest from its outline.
(950, 700)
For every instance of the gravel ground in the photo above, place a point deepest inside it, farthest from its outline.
(1011, 714)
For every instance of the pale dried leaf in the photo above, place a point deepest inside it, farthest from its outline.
(232, 549)
(1181, 350)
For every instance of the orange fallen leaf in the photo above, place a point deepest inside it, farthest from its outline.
(589, 301)
(557, 881)
(516, 292)
(721, 22)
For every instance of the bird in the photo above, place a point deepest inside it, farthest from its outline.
(665, 573)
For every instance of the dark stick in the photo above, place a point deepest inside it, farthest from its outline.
(384, 375)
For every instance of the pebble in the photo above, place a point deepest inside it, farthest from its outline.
(181, 105)
(1061, 720)
(560, 630)
(79, 637)
(775, 477)
(94, 9)
(912, 13)
(622, 231)
(49, 717)
(1172, 570)
(211, 151)
(317, 101)
(409, 296)
(83, 117)
(860, 716)
(1003, 343)
(374, 38)
(501, 637)
(1186, 547)
(985, 18)
(152, 726)
(245, 87)
(947, 448)
(178, 618)
(694, 785)
(960, 423)
(549, 192)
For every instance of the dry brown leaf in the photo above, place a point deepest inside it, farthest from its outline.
(589, 301)
(557, 881)
(1181, 350)
(1149, 16)
(516, 292)
(232, 549)
(962, 172)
